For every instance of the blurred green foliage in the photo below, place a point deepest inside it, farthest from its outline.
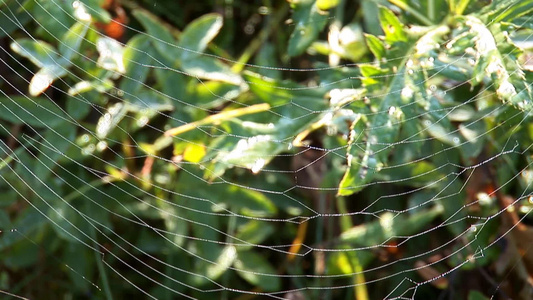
(409, 100)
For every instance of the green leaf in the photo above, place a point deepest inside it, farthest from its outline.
(251, 265)
(392, 26)
(26, 223)
(250, 203)
(506, 10)
(375, 45)
(145, 99)
(223, 262)
(497, 59)
(71, 41)
(327, 4)
(40, 53)
(254, 232)
(211, 94)
(382, 133)
(407, 86)
(267, 57)
(21, 255)
(137, 58)
(476, 295)
(309, 21)
(210, 68)
(5, 222)
(160, 35)
(37, 112)
(80, 258)
(56, 142)
(54, 17)
(16, 18)
(389, 226)
(101, 86)
(198, 34)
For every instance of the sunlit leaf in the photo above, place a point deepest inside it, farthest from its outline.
(110, 120)
(194, 39)
(110, 54)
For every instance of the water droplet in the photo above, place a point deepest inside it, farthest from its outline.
(433, 87)
(427, 122)
(456, 140)
(75, 4)
(431, 59)
(289, 147)
(410, 72)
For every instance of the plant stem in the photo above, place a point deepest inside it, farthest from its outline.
(222, 116)
(360, 290)
(431, 10)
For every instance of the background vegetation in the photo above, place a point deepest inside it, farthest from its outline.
(148, 147)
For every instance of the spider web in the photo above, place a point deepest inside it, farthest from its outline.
(166, 205)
